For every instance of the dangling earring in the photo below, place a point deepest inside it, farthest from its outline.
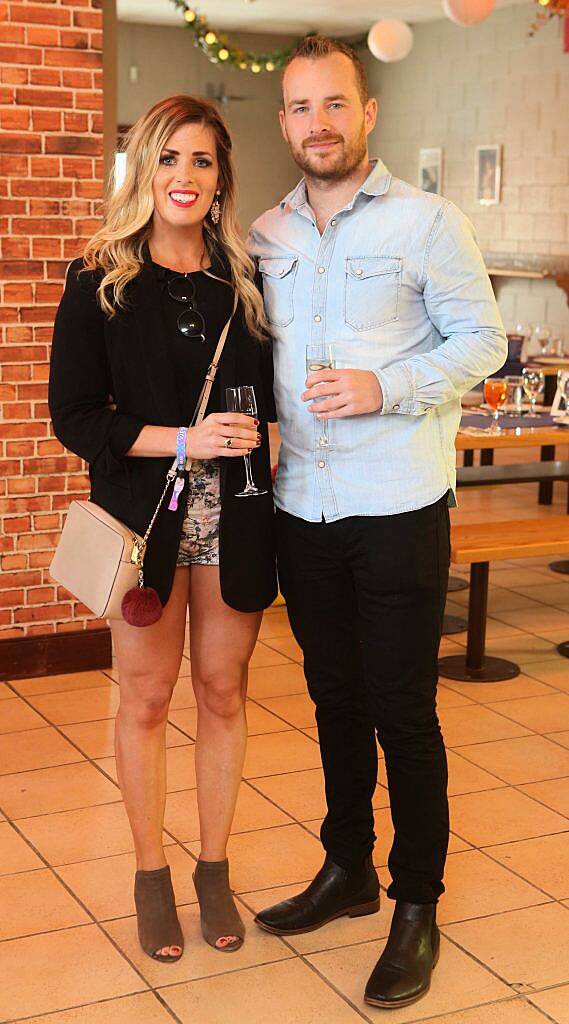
(215, 209)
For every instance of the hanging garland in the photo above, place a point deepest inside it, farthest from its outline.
(219, 49)
(549, 9)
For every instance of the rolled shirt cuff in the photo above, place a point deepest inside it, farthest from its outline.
(397, 389)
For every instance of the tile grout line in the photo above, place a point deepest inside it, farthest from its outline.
(96, 1002)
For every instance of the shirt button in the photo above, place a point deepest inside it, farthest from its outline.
(359, 271)
(333, 222)
(317, 318)
(396, 408)
(321, 465)
(321, 270)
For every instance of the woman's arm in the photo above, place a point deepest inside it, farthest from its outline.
(80, 385)
(267, 373)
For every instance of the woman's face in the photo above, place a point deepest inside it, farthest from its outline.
(185, 183)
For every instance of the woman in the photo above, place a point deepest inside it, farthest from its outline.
(124, 382)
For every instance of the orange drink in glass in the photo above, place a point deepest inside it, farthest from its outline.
(495, 394)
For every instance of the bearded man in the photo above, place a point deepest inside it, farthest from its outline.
(385, 282)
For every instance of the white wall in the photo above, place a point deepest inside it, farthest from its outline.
(489, 84)
(169, 63)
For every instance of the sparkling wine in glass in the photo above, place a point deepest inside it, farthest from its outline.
(320, 357)
(534, 383)
(495, 394)
(243, 400)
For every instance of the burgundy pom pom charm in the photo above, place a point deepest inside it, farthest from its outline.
(140, 605)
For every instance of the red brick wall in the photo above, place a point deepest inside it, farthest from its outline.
(51, 178)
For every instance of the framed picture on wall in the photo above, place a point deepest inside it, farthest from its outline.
(488, 172)
(431, 170)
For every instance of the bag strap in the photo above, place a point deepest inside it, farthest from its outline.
(199, 413)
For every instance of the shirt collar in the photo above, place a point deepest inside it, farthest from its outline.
(376, 184)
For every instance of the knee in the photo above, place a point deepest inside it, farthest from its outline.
(415, 730)
(221, 697)
(146, 702)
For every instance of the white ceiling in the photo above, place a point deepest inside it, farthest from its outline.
(295, 17)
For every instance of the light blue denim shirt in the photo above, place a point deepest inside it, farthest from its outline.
(395, 284)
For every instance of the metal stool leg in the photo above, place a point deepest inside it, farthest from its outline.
(545, 490)
(474, 666)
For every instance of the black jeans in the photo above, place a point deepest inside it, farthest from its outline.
(366, 597)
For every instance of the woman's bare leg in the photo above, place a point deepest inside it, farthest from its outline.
(149, 661)
(221, 643)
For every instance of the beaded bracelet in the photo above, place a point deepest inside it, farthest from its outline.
(181, 458)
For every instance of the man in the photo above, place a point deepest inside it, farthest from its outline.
(388, 283)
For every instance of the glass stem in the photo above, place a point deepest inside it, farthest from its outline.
(248, 471)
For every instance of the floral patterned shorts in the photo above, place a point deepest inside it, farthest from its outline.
(199, 543)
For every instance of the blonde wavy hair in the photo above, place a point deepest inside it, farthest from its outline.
(116, 248)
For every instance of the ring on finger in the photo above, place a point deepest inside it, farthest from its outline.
(228, 442)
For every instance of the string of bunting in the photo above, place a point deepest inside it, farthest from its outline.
(550, 9)
(219, 48)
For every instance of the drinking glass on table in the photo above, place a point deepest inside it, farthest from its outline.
(542, 336)
(495, 394)
(534, 384)
(515, 385)
(320, 357)
(243, 399)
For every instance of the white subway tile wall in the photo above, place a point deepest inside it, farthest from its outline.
(486, 85)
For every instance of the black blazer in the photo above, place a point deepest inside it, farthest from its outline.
(127, 357)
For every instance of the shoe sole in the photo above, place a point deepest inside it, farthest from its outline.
(385, 1005)
(359, 910)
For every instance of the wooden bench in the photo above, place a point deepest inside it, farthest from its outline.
(478, 545)
(516, 473)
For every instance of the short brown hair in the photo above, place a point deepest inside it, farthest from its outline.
(313, 47)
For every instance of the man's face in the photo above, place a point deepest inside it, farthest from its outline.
(324, 120)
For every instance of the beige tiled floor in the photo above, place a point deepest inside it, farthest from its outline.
(68, 947)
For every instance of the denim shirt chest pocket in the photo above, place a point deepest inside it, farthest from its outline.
(279, 273)
(373, 284)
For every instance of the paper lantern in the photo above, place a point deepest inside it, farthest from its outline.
(390, 40)
(468, 12)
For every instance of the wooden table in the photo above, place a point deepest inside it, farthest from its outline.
(480, 544)
(545, 438)
(521, 437)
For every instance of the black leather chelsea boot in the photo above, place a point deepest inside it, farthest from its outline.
(402, 975)
(334, 892)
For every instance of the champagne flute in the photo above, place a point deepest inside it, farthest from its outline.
(319, 357)
(495, 394)
(534, 383)
(243, 399)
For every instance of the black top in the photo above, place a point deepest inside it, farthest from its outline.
(129, 356)
(191, 357)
